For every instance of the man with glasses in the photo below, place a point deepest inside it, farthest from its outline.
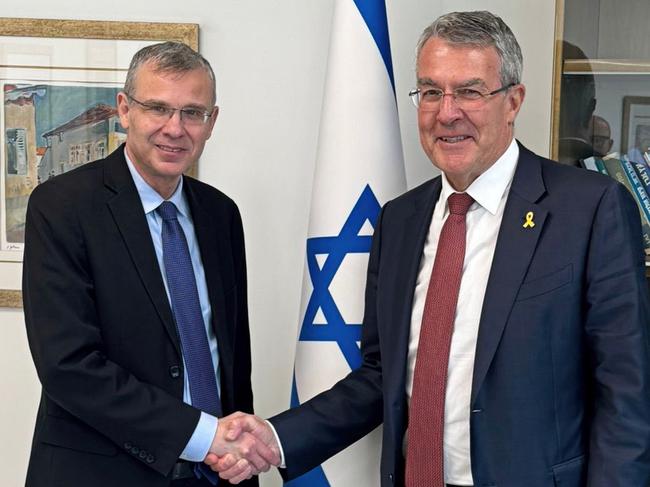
(505, 337)
(135, 297)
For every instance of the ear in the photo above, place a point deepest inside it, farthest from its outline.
(123, 109)
(212, 120)
(516, 96)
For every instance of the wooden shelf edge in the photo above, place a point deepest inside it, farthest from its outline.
(606, 66)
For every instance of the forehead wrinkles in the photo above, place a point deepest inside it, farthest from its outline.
(437, 51)
(462, 67)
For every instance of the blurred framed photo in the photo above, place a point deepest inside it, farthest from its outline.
(635, 132)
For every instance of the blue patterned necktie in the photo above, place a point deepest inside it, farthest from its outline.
(186, 307)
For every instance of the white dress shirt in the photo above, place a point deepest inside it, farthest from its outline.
(490, 191)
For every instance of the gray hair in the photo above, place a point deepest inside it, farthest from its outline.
(168, 57)
(481, 29)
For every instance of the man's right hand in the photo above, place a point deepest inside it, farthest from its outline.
(243, 446)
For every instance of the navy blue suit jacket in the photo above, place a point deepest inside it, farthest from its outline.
(561, 385)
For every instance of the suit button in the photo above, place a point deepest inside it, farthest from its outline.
(390, 477)
(143, 454)
(175, 371)
(150, 458)
(128, 445)
(135, 450)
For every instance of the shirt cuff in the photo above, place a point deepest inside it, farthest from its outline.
(201, 440)
(277, 440)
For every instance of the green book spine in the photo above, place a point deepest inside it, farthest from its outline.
(600, 165)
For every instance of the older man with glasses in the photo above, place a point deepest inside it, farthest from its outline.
(505, 337)
(135, 297)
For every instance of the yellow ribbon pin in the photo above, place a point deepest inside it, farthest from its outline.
(529, 220)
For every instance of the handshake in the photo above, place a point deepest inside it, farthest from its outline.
(243, 446)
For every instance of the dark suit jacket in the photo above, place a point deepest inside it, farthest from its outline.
(561, 384)
(102, 334)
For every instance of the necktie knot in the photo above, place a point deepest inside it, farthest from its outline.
(459, 203)
(167, 210)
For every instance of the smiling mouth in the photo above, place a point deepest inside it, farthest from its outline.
(167, 148)
(453, 140)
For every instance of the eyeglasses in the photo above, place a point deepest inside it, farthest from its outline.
(429, 99)
(189, 116)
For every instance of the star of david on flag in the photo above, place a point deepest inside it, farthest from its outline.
(359, 166)
(348, 241)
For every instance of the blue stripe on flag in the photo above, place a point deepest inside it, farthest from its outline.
(374, 14)
(315, 477)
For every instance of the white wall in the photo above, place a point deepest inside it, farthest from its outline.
(270, 61)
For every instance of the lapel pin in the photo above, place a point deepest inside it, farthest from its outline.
(529, 220)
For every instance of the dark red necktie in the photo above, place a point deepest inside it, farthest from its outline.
(424, 452)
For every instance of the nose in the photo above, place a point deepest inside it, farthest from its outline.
(449, 110)
(174, 125)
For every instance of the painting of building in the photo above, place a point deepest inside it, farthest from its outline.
(89, 136)
(21, 159)
(49, 130)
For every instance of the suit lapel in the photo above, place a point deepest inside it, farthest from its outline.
(514, 250)
(129, 217)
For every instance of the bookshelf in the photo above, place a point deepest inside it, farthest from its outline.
(601, 84)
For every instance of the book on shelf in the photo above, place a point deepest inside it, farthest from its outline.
(594, 163)
(638, 187)
(637, 157)
(643, 171)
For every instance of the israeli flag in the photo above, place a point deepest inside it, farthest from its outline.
(359, 166)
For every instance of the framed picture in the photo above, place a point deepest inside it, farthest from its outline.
(59, 82)
(635, 132)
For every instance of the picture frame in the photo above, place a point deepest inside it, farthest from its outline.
(635, 127)
(46, 67)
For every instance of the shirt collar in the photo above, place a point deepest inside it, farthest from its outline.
(150, 198)
(488, 189)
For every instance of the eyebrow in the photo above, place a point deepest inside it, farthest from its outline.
(464, 84)
(194, 106)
